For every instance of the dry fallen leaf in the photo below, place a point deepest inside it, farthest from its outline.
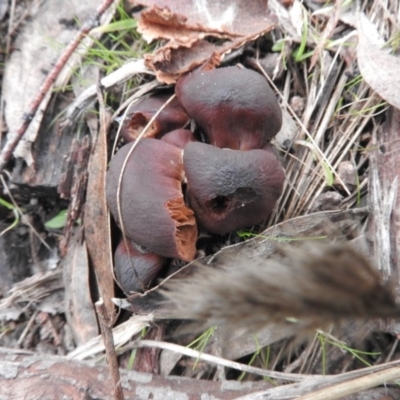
(187, 26)
(377, 66)
(96, 221)
(79, 308)
(224, 17)
(39, 44)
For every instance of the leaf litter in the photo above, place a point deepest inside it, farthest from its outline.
(339, 124)
(189, 27)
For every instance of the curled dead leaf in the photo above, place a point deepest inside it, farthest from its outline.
(188, 25)
(378, 67)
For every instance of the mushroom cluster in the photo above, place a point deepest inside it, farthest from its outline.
(174, 184)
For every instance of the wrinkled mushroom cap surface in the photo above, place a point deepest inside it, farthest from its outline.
(135, 268)
(231, 189)
(153, 210)
(234, 107)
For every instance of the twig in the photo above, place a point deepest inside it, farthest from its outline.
(27, 328)
(222, 361)
(108, 339)
(333, 386)
(343, 389)
(27, 117)
(10, 24)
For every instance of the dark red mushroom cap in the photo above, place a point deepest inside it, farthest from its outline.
(231, 189)
(234, 107)
(173, 116)
(134, 267)
(153, 210)
(179, 137)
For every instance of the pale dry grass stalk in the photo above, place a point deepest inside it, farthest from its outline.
(305, 173)
(220, 361)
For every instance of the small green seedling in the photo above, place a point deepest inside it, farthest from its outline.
(58, 221)
(11, 207)
(200, 342)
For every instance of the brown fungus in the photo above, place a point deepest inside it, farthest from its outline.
(235, 108)
(151, 201)
(173, 116)
(134, 267)
(179, 137)
(231, 189)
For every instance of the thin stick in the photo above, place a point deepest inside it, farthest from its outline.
(27, 117)
(106, 332)
(27, 328)
(344, 389)
(222, 361)
(10, 27)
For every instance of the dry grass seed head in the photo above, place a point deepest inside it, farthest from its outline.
(312, 285)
